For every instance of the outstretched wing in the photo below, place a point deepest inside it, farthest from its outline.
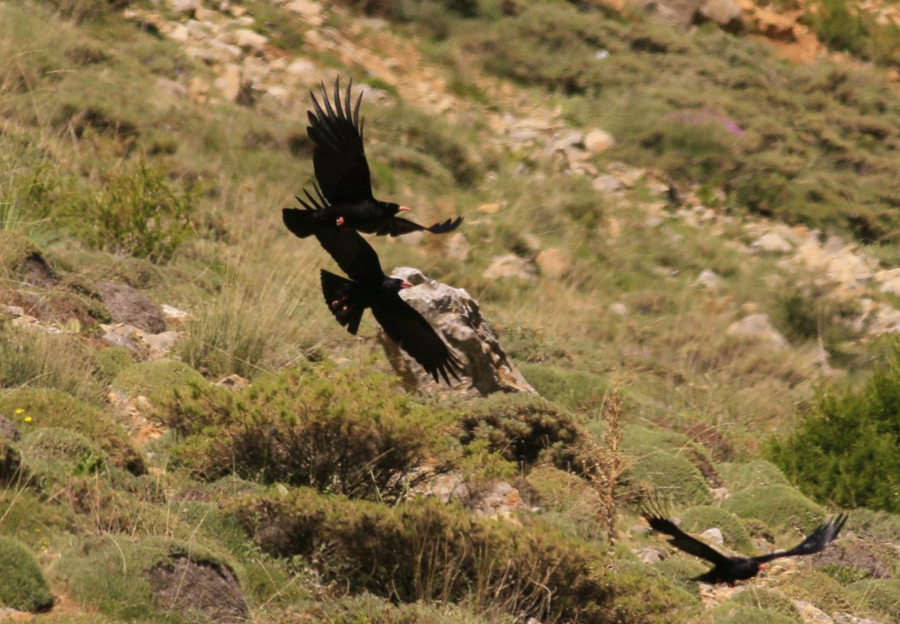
(679, 539)
(352, 253)
(339, 158)
(416, 336)
(815, 542)
(398, 227)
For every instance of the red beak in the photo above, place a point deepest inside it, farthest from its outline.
(403, 208)
(405, 285)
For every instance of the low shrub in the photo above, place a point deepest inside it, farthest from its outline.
(846, 450)
(37, 408)
(131, 578)
(526, 429)
(342, 431)
(781, 507)
(24, 586)
(138, 212)
(820, 589)
(769, 600)
(882, 596)
(574, 389)
(426, 550)
(739, 614)
(703, 517)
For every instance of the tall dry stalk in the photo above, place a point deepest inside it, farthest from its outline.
(608, 462)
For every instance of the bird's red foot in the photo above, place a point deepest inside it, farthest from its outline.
(340, 302)
(340, 221)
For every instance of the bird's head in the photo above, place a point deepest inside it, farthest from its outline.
(393, 209)
(395, 285)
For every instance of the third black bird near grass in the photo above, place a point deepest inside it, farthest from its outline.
(727, 569)
(344, 186)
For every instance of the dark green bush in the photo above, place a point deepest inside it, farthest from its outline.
(23, 585)
(428, 551)
(846, 450)
(342, 431)
(526, 429)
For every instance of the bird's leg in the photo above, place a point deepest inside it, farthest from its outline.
(338, 302)
(340, 222)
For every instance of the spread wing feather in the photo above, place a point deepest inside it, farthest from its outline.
(681, 540)
(417, 337)
(339, 158)
(815, 542)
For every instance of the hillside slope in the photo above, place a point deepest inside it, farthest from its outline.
(674, 214)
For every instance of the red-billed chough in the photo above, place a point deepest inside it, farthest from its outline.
(728, 569)
(344, 186)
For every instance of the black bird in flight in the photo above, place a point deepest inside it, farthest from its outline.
(369, 287)
(344, 183)
(731, 569)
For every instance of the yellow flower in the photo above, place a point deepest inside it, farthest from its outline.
(19, 411)
(28, 419)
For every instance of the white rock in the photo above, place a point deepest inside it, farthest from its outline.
(249, 40)
(773, 242)
(510, 266)
(892, 287)
(597, 141)
(713, 536)
(811, 614)
(458, 247)
(606, 184)
(709, 279)
(619, 308)
(302, 67)
(308, 10)
(184, 6)
(649, 554)
(758, 327)
(552, 262)
(229, 82)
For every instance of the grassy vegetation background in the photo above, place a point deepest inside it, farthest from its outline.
(304, 485)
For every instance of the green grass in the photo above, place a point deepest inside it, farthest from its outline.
(24, 586)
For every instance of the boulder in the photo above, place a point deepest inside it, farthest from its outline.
(597, 141)
(183, 585)
(726, 13)
(510, 266)
(132, 307)
(758, 327)
(773, 242)
(457, 318)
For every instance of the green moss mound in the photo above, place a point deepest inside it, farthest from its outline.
(345, 431)
(703, 517)
(568, 501)
(32, 521)
(15, 250)
(112, 361)
(53, 408)
(155, 380)
(425, 550)
(525, 429)
(756, 473)
(24, 586)
(673, 476)
(779, 506)
(374, 609)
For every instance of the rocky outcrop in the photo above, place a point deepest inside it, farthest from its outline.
(457, 318)
(132, 307)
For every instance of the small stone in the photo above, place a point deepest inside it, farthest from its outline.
(492, 208)
(726, 13)
(773, 243)
(229, 82)
(758, 327)
(709, 279)
(302, 67)
(130, 306)
(458, 247)
(510, 266)
(892, 287)
(598, 141)
(811, 614)
(249, 40)
(619, 308)
(649, 554)
(308, 10)
(606, 184)
(552, 262)
(233, 382)
(174, 315)
(12, 310)
(160, 344)
(9, 430)
(713, 536)
(184, 6)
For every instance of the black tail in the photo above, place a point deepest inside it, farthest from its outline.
(301, 222)
(343, 300)
(304, 223)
